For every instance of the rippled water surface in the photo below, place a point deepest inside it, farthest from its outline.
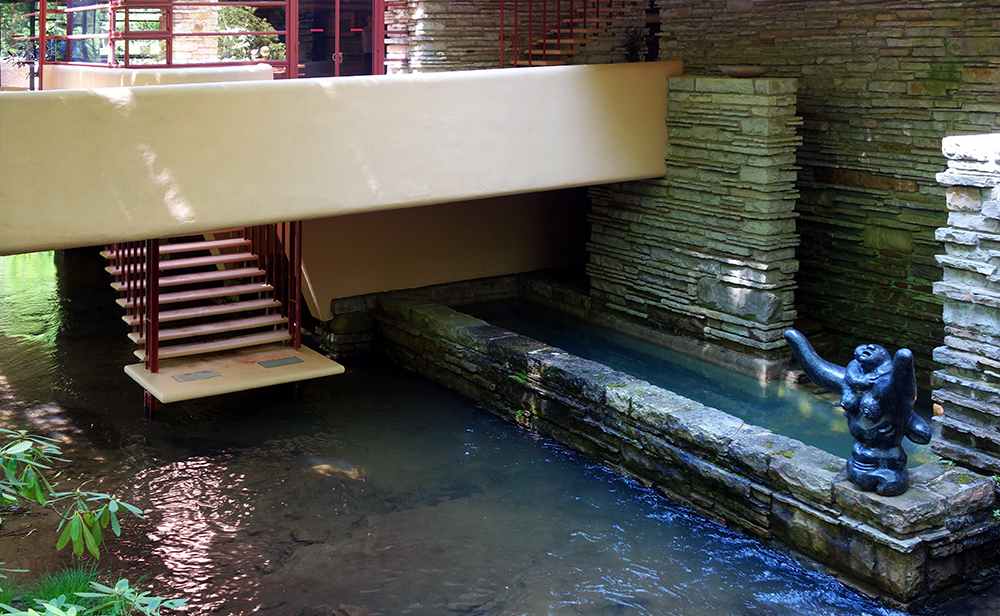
(374, 492)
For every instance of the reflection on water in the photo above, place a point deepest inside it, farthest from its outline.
(422, 504)
(29, 303)
(800, 412)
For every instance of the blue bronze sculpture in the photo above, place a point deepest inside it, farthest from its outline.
(877, 394)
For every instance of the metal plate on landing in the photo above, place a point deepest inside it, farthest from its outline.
(230, 372)
(196, 376)
(281, 361)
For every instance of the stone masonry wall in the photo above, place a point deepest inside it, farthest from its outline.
(453, 35)
(880, 84)
(194, 49)
(905, 549)
(968, 387)
(708, 250)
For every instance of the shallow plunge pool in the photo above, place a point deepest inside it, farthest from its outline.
(802, 412)
(375, 489)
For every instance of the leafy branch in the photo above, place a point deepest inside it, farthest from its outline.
(121, 599)
(24, 461)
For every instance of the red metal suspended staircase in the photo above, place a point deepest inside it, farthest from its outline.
(215, 313)
(547, 33)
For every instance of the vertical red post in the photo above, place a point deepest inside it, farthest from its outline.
(296, 286)
(378, 37)
(43, 41)
(153, 304)
(169, 16)
(112, 14)
(337, 57)
(292, 39)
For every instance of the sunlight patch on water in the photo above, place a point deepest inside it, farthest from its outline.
(195, 506)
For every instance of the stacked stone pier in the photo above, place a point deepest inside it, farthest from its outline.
(967, 388)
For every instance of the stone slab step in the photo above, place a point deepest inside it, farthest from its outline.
(211, 310)
(577, 31)
(606, 9)
(174, 264)
(215, 327)
(167, 249)
(215, 346)
(553, 52)
(197, 277)
(580, 20)
(539, 63)
(209, 293)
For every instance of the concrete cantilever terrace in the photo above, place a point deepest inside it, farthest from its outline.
(86, 167)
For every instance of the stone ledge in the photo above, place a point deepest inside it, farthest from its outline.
(983, 148)
(744, 475)
(955, 177)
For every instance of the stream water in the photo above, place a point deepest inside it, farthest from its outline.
(373, 492)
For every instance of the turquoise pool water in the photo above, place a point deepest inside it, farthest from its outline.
(801, 412)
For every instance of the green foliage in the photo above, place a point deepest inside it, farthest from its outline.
(66, 582)
(84, 516)
(11, 26)
(636, 44)
(996, 514)
(519, 377)
(124, 599)
(23, 459)
(237, 19)
(84, 526)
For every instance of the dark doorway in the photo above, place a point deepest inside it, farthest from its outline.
(335, 38)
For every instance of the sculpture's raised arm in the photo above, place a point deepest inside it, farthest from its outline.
(825, 374)
(904, 378)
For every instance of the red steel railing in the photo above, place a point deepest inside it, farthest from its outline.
(529, 34)
(139, 293)
(137, 269)
(279, 251)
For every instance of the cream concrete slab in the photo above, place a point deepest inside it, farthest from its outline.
(231, 372)
(141, 162)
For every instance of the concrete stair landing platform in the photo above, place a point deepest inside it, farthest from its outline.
(238, 371)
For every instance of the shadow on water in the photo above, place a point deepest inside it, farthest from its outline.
(375, 491)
